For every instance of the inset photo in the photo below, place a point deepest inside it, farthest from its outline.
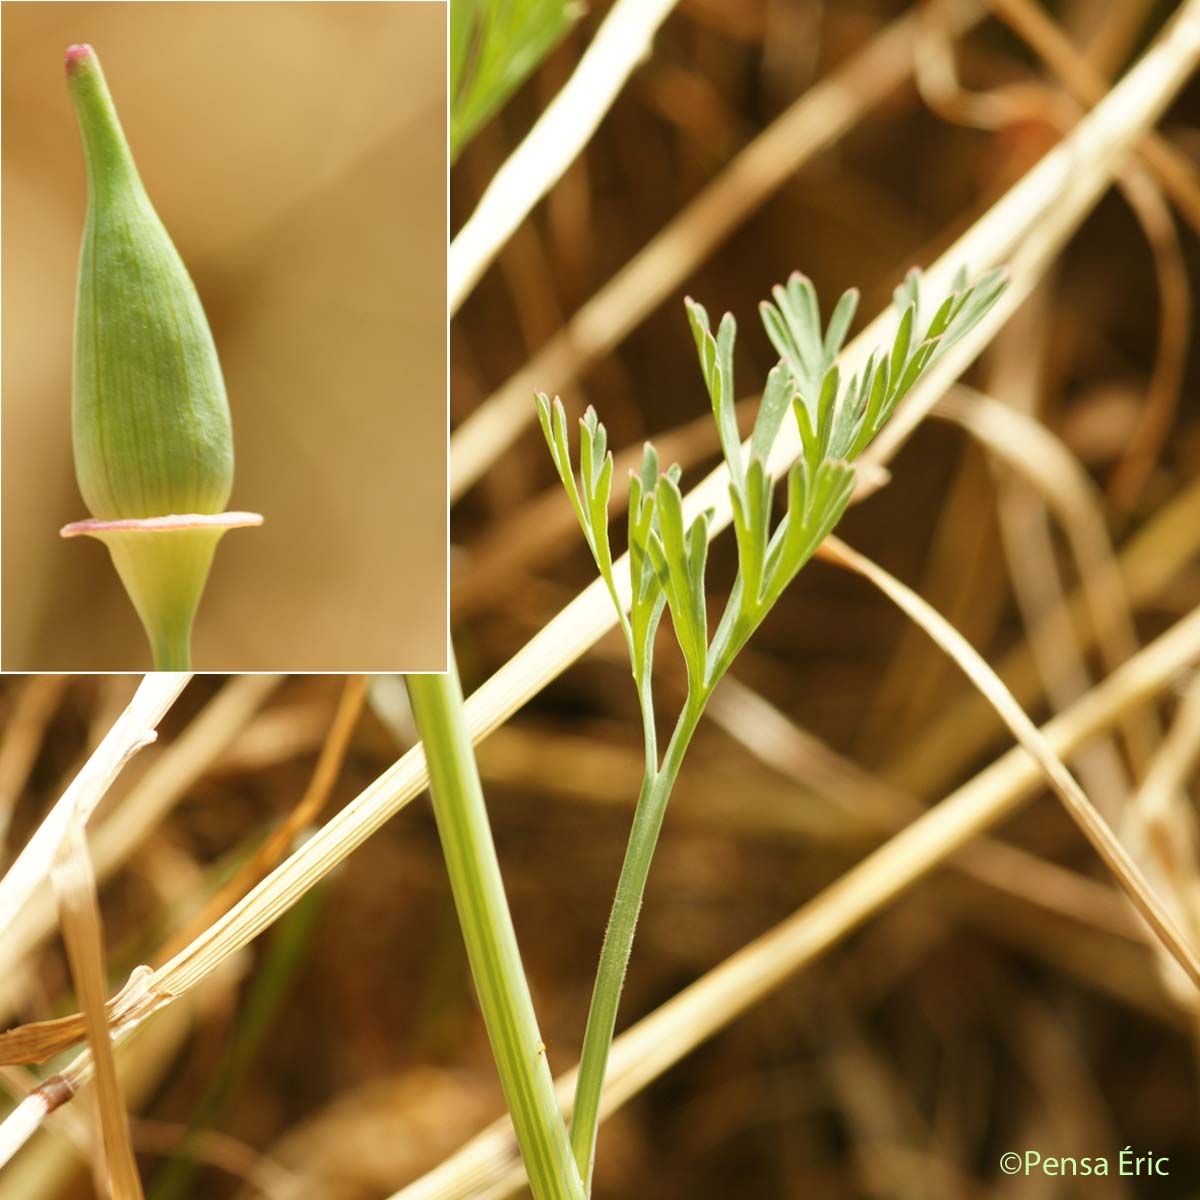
(224, 405)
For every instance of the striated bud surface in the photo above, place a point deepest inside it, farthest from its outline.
(151, 426)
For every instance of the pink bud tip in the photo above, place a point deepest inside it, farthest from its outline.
(77, 54)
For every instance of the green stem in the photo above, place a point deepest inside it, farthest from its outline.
(172, 654)
(483, 913)
(618, 939)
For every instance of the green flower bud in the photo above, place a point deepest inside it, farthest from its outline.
(152, 435)
(151, 422)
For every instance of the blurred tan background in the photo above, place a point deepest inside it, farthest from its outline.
(296, 153)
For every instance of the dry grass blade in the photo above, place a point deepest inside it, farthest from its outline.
(189, 756)
(36, 1041)
(1177, 175)
(36, 702)
(561, 132)
(1164, 823)
(1164, 782)
(1081, 809)
(79, 907)
(280, 840)
(25, 1120)
(1029, 449)
(1149, 562)
(134, 729)
(277, 735)
(1018, 362)
(935, 72)
(75, 1127)
(1026, 446)
(1174, 339)
(488, 1166)
(1111, 43)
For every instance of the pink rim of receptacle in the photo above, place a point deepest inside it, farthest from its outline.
(227, 520)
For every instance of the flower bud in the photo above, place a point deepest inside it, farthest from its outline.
(151, 423)
(151, 430)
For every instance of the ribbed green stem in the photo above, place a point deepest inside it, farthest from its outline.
(478, 889)
(173, 653)
(618, 940)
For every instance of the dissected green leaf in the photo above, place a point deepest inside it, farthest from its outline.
(837, 420)
(682, 582)
(793, 323)
(844, 424)
(716, 363)
(590, 498)
(648, 596)
(908, 292)
(771, 410)
(554, 427)
(816, 502)
(751, 524)
(839, 324)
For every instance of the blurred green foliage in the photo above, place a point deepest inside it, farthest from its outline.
(494, 45)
